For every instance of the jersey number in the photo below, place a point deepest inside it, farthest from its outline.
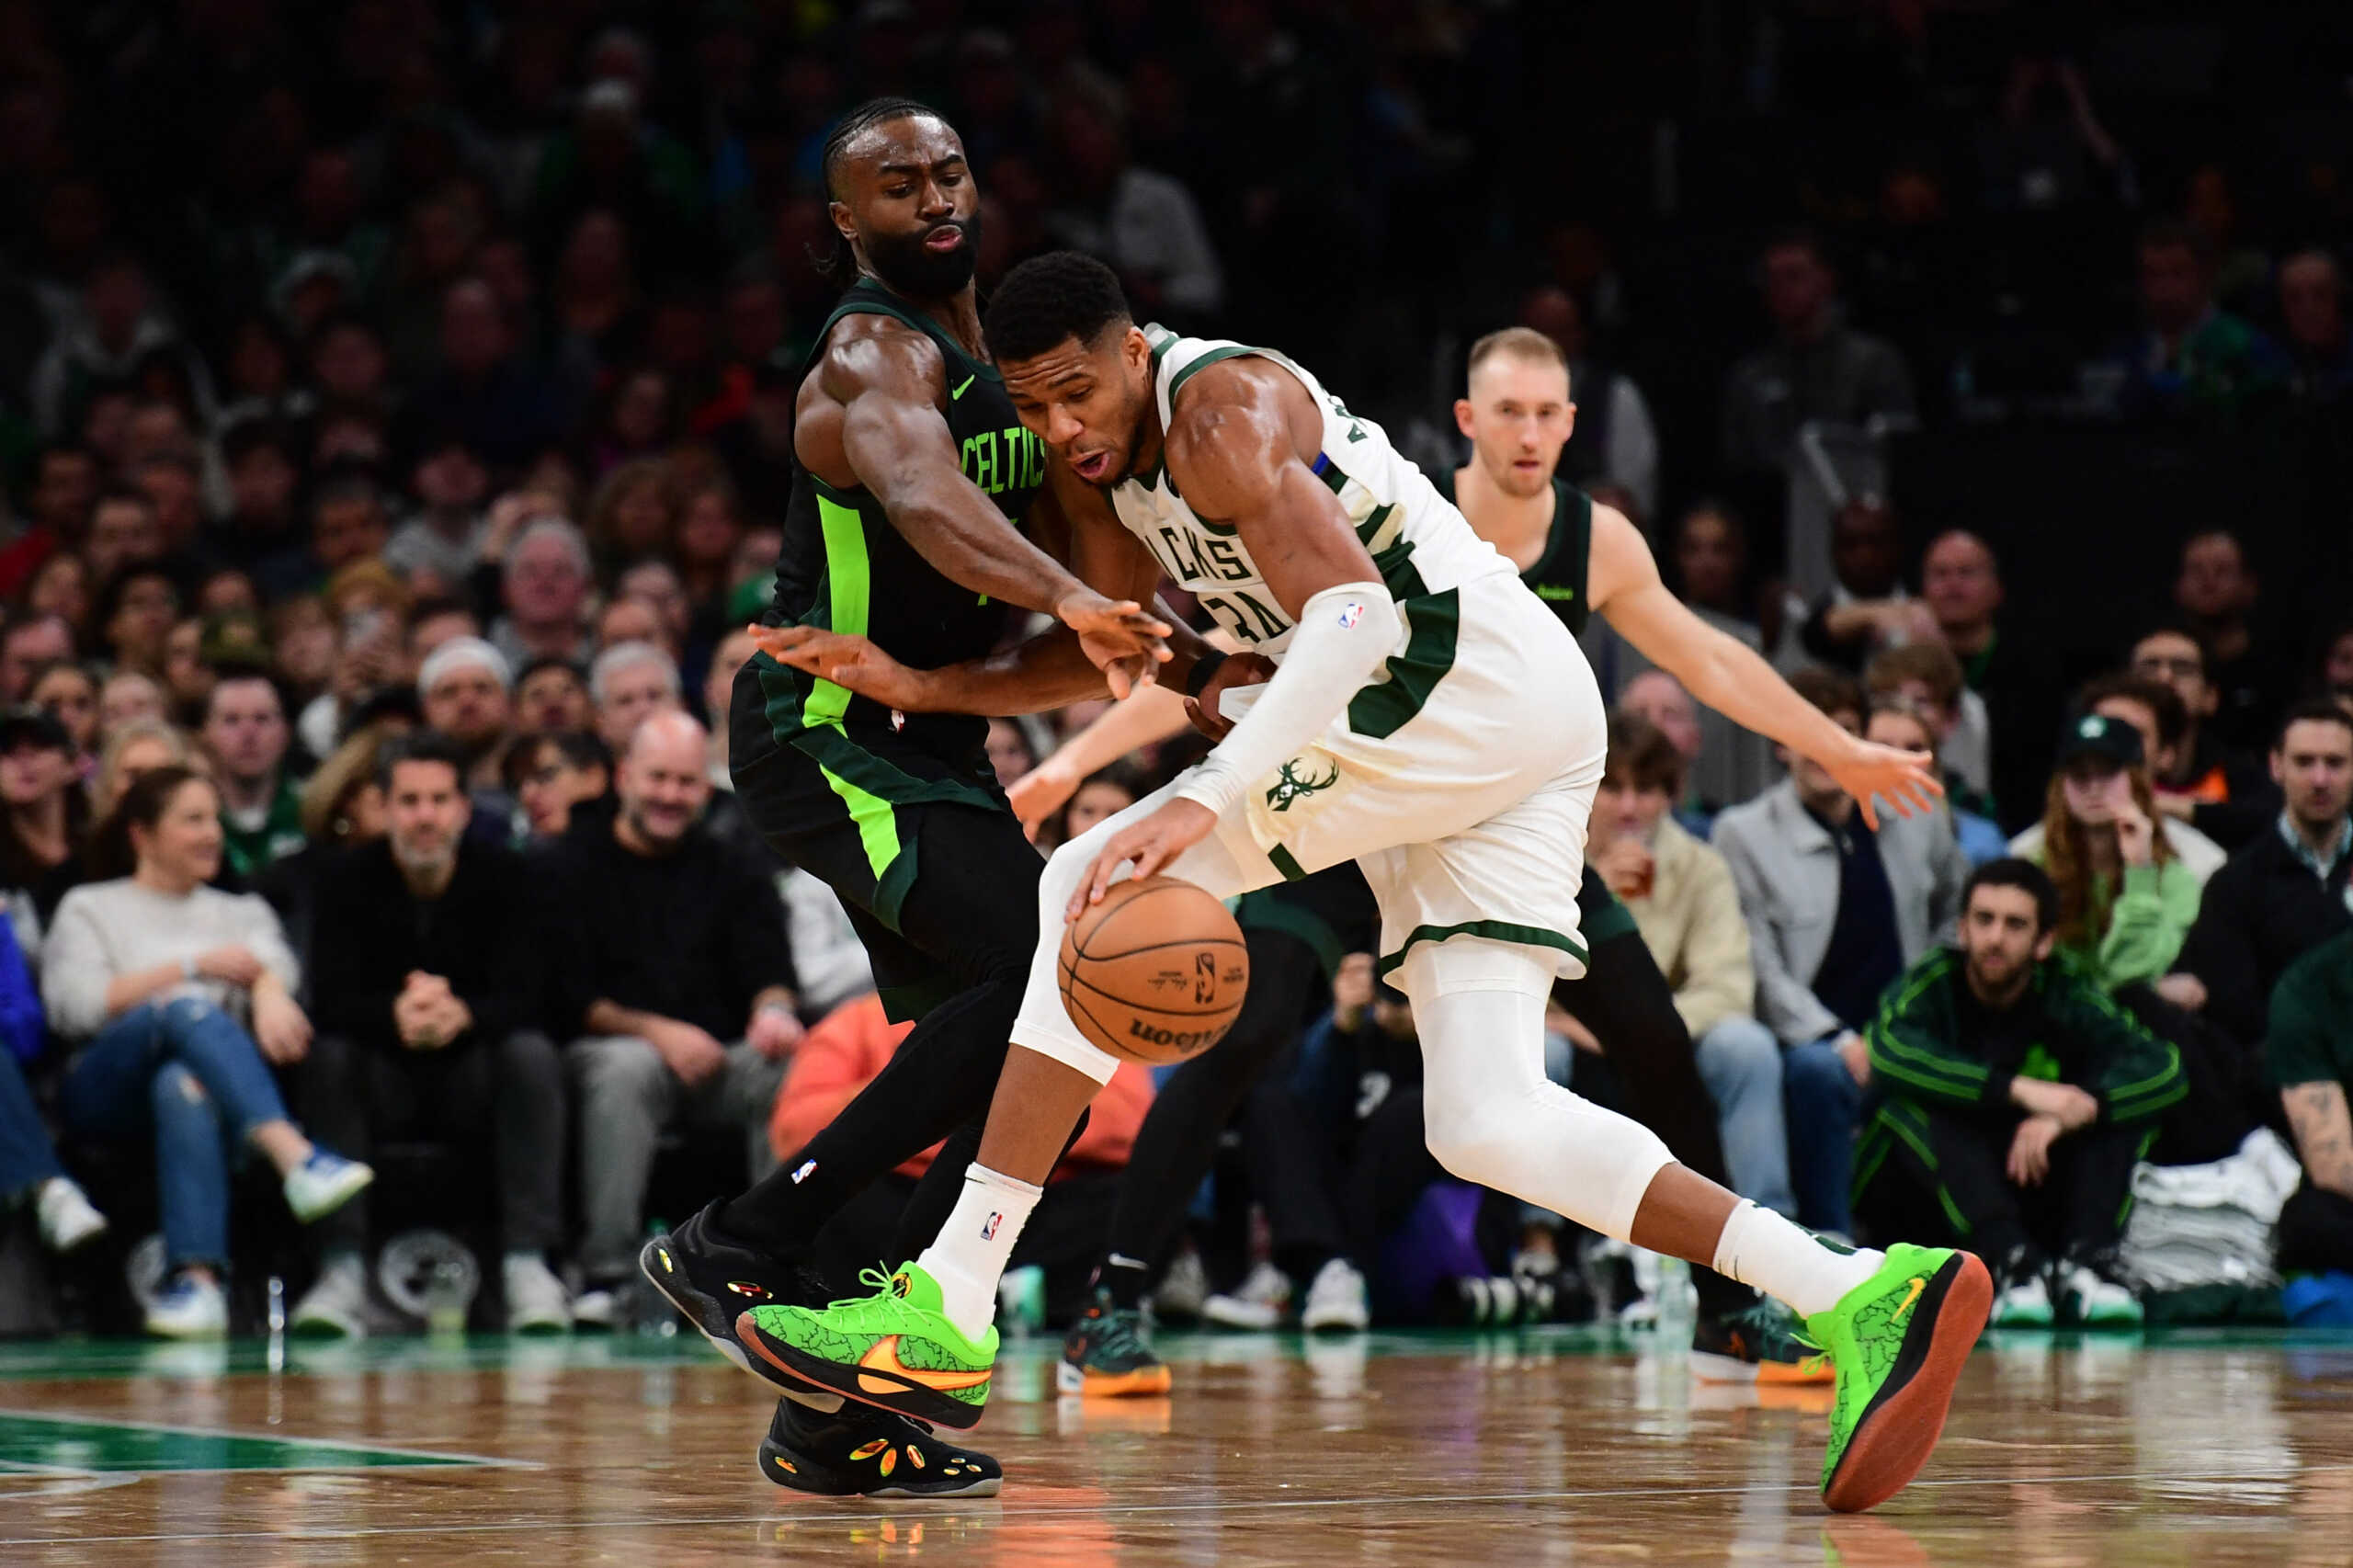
(1244, 616)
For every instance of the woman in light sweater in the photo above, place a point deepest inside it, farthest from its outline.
(178, 996)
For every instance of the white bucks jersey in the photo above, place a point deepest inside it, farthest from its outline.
(1418, 542)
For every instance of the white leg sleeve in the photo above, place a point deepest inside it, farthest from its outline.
(1491, 1115)
(1043, 1025)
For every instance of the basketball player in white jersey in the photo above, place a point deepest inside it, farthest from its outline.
(1428, 717)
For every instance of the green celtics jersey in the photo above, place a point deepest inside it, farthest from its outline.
(1558, 577)
(846, 567)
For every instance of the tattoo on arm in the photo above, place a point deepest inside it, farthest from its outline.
(2318, 1115)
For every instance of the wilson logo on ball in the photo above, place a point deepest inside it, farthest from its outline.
(1181, 1039)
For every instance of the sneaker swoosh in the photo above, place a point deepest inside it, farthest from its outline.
(961, 391)
(1914, 1286)
(882, 1356)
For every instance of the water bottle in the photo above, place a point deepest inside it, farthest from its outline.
(448, 1292)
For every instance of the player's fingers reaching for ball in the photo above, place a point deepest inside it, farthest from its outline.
(1153, 843)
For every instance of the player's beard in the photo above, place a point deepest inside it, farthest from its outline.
(903, 263)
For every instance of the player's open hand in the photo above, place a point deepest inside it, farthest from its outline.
(1113, 630)
(1151, 842)
(1902, 778)
(1235, 669)
(2029, 1159)
(1039, 793)
(847, 660)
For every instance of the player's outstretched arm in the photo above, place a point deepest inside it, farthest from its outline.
(1730, 677)
(874, 421)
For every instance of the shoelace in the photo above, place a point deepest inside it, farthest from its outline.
(1116, 1334)
(884, 1284)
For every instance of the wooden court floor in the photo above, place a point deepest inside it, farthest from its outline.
(1555, 1448)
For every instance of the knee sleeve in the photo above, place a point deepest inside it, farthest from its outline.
(1490, 1114)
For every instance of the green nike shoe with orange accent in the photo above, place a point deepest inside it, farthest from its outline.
(896, 1349)
(1898, 1342)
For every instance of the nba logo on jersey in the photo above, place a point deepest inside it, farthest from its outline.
(802, 1173)
(988, 1231)
(1349, 615)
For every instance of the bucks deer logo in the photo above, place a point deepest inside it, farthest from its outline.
(1290, 786)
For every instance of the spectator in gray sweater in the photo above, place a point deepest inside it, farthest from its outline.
(177, 997)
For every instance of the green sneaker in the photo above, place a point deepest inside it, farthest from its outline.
(895, 1349)
(1898, 1341)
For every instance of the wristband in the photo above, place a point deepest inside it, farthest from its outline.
(1203, 669)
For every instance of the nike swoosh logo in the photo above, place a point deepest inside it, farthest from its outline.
(1911, 1296)
(959, 391)
(882, 1356)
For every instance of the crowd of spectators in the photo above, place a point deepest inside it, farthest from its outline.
(396, 406)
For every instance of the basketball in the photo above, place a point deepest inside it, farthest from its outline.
(1155, 972)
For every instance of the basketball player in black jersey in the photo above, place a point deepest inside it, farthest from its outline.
(913, 482)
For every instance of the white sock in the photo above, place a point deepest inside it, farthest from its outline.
(969, 1255)
(1759, 1247)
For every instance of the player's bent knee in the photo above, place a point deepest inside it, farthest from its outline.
(1067, 1047)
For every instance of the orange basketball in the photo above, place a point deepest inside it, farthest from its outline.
(1155, 972)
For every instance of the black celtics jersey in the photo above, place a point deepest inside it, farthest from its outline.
(1559, 576)
(845, 567)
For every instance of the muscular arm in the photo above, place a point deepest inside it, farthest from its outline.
(2324, 1130)
(1729, 675)
(870, 416)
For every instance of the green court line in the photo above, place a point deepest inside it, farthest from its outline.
(41, 1441)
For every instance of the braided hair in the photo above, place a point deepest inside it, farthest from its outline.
(840, 265)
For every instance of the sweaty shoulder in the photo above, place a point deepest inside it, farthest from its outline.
(1233, 427)
(865, 357)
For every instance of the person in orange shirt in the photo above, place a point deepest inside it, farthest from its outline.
(847, 1049)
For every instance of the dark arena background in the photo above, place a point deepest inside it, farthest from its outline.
(398, 409)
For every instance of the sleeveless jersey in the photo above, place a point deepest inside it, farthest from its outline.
(1418, 542)
(1558, 577)
(843, 565)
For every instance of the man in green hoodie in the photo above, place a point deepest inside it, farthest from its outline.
(2012, 1100)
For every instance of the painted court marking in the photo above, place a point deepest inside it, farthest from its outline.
(33, 1441)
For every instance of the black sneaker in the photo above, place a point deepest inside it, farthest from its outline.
(1104, 1355)
(712, 1280)
(864, 1452)
(1759, 1343)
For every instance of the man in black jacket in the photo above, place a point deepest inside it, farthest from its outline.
(676, 983)
(2287, 891)
(427, 994)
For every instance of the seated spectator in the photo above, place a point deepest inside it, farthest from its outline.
(668, 949)
(550, 696)
(1012, 754)
(1681, 895)
(727, 660)
(61, 587)
(627, 684)
(2308, 1051)
(2149, 707)
(847, 1049)
(128, 695)
(1819, 367)
(1900, 722)
(1925, 675)
(1615, 440)
(2286, 893)
(1961, 582)
(1865, 610)
(343, 801)
(261, 806)
(2250, 671)
(2014, 1100)
(29, 1171)
(136, 611)
(2219, 790)
(654, 584)
(464, 687)
(44, 821)
(68, 693)
(123, 531)
(1659, 700)
(178, 997)
(1837, 910)
(2192, 359)
(433, 621)
(543, 587)
(2125, 900)
(137, 748)
(549, 773)
(427, 970)
(441, 541)
(625, 619)
(2312, 309)
(65, 485)
(829, 961)
(28, 642)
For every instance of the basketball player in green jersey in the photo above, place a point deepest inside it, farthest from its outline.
(914, 479)
(1406, 652)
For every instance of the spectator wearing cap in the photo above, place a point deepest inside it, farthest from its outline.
(628, 683)
(674, 981)
(544, 588)
(426, 967)
(27, 642)
(1835, 910)
(2012, 1100)
(1681, 895)
(44, 821)
(246, 735)
(2288, 892)
(2218, 789)
(466, 691)
(2126, 901)
(442, 538)
(2149, 707)
(551, 697)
